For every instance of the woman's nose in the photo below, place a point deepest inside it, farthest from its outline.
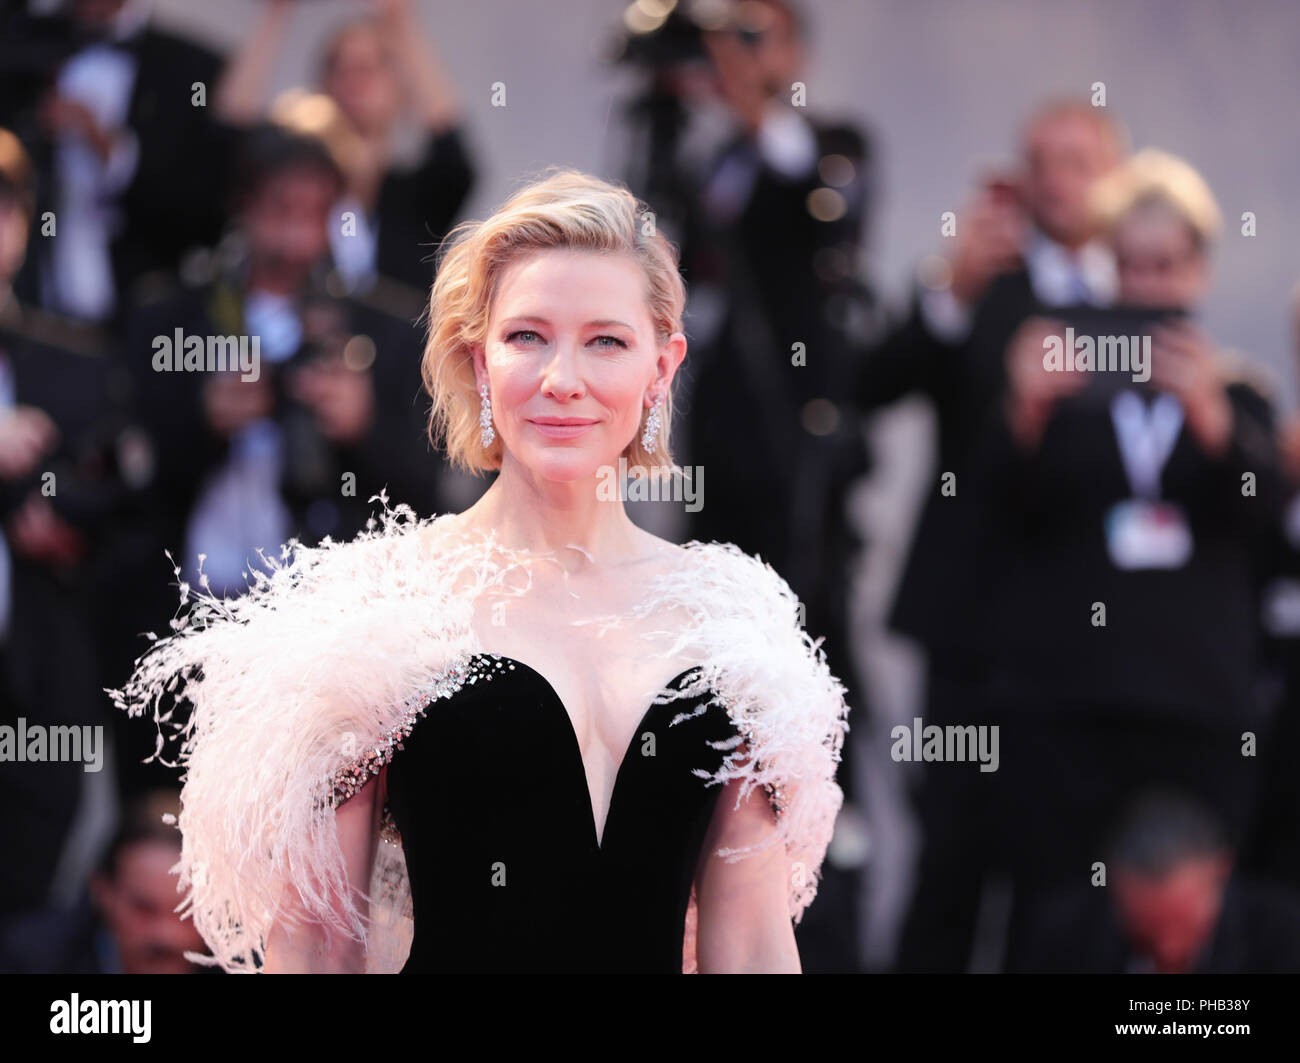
(562, 376)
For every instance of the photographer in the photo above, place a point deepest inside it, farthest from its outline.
(772, 248)
(326, 418)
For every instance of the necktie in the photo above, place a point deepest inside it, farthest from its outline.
(1079, 290)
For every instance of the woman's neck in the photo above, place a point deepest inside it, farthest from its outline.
(574, 520)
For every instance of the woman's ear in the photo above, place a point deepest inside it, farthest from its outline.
(480, 366)
(671, 353)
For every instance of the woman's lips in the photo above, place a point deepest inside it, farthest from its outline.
(562, 431)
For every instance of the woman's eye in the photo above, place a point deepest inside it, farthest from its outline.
(614, 342)
(527, 335)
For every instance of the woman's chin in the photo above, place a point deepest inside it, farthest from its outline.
(566, 465)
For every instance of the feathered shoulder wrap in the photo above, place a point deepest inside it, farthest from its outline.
(297, 692)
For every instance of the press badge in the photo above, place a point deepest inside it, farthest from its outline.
(1147, 534)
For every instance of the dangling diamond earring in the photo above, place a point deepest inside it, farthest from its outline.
(485, 417)
(650, 437)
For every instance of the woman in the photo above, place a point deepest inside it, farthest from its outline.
(375, 70)
(552, 740)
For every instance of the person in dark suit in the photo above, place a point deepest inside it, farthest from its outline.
(72, 465)
(133, 165)
(391, 218)
(1124, 627)
(1024, 243)
(774, 236)
(772, 239)
(1172, 901)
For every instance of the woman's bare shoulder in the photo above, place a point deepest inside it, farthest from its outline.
(438, 533)
(661, 550)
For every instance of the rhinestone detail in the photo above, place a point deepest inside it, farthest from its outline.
(467, 668)
(776, 795)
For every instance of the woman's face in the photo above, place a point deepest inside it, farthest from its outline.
(571, 361)
(1157, 262)
(361, 81)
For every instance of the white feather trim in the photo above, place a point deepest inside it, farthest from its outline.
(774, 682)
(294, 683)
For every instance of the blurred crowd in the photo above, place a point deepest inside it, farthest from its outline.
(1106, 570)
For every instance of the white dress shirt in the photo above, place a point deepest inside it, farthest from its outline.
(785, 142)
(239, 509)
(1058, 276)
(101, 77)
(355, 253)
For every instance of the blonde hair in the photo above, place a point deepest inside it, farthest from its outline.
(566, 210)
(315, 115)
(1153, 177)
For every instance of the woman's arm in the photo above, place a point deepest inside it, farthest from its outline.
(241, 92)
(744, 917)
(308, 948)
(433, 98)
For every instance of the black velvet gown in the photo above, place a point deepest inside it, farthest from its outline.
(506, 872)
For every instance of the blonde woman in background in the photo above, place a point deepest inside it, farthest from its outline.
(377, 71)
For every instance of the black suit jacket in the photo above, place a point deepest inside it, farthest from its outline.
(177, 198)
(787, 278)
(51, 668)
(417, 207)
(955, 551)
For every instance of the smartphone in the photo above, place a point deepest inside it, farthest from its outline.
(1004, 189)
(1121, 339)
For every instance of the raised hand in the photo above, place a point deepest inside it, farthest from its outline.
(1184, 364)
(27, 434)
(1032, 389)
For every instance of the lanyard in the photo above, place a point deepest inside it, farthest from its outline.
(1146, 438)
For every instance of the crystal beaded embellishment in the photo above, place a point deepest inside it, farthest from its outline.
(467, 668)
(487, 434)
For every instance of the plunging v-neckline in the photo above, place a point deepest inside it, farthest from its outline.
(597, 838)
